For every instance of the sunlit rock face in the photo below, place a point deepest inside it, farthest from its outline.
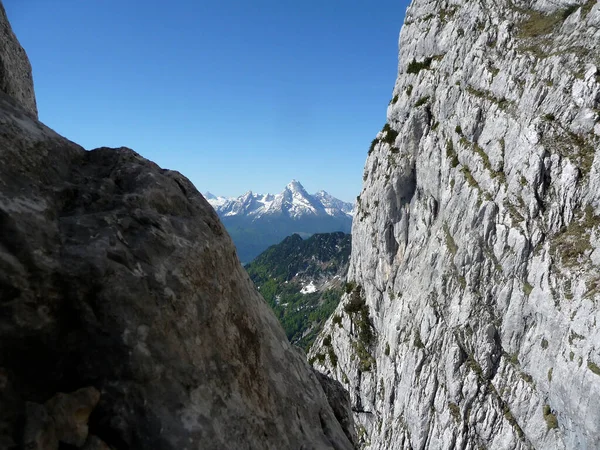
(126, 319)
(472, 314)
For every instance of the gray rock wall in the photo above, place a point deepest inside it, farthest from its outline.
(16, 79)
(477, 239)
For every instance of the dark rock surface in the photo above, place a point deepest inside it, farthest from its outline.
(71, 413)
(339, 400)
(39, 432)
(63, 419)
(94, 443)
(117, 274)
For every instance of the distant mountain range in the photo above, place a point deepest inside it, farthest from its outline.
(257, 221)
(303, 281)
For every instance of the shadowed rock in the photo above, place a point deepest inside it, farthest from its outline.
(94, 443)
(71, 413)
(39, 432)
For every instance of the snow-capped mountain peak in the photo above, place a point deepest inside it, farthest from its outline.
(256, 221)
(293, 202)
(333, 205)
(216, 202)
(295, 186)
(297, 202)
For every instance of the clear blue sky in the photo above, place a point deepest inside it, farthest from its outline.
(236, 94)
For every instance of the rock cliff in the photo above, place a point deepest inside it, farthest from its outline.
(473, 322)
(122, 300)
(15, 70)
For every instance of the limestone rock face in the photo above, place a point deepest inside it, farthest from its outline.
(16, 79)
(472, 314)
(116, 274)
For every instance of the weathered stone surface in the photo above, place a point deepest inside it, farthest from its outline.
(15, 70)
(71, 412)
(476, 241)
(95, 443)
(11, 411)
(339, 400)
(117, 274)
(39, 432)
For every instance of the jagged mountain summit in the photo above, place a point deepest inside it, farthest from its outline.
(303, 281)
(126, 319)
(256, 221)
(293, 202)
(473, 318)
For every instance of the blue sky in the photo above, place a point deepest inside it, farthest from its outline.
(237, 95)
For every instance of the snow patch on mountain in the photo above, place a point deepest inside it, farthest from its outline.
(309, 288)
(214, 200)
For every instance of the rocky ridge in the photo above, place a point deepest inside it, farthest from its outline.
(293, 202)
(473, 322)
(120, 286)
(303, 281)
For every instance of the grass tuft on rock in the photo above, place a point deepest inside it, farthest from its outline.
(551, 421)
(539, 24)
(422, 101)
(415, 66)
(593, 367)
